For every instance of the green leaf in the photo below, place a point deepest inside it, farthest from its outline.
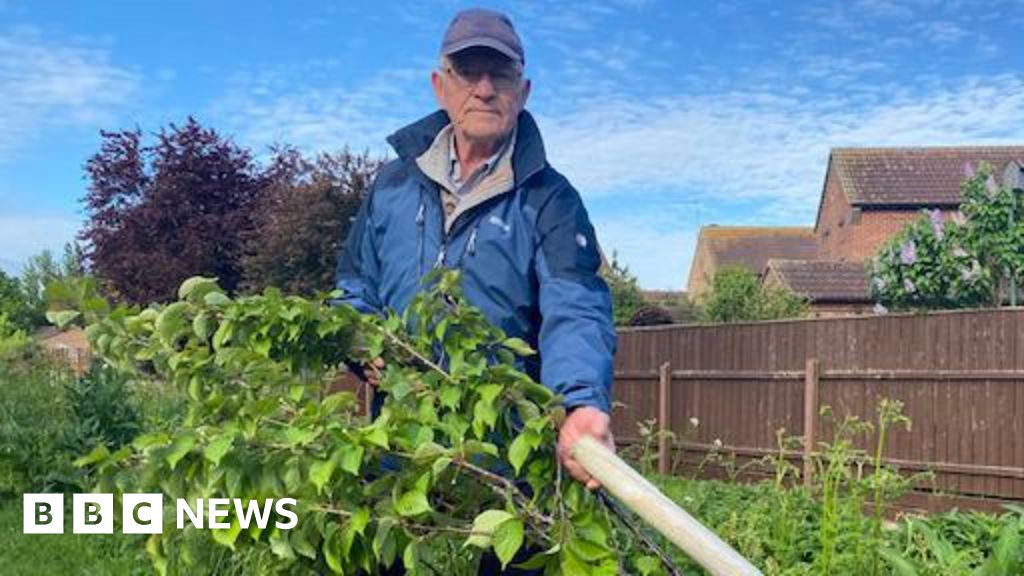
(484, 525)
(220, 446)
(589, 551)
(171, 323)
(412, 503)
(360, 520)
(384, 544)
(519, 346)
(301, 544)
(300, 436)
(61, 318)
(428, 451)
(450, 396)
(197, 285)
(410, 556)
(484, 417)
(518, 452)
(377, 435)
(440, 465)
(320, 473)
(228, 536)
(223, 335)
(279, 545)
(507, 539)
(98, 454)
(900, 565)
(573, 566)
(648, 565)
(201, 326)
(150, 440)
(351, 458)
(181, 446)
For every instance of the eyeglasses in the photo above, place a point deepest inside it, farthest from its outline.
(504, 78)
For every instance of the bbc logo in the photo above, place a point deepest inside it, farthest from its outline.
(92, 514)
(144, 513)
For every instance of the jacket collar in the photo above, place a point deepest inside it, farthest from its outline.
(528, 158)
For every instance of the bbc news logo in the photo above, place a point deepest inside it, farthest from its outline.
(144, 513)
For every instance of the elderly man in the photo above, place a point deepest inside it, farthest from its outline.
(471, 189)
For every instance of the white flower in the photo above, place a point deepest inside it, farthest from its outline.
(717, 443)
(694, 422)
(879, 309)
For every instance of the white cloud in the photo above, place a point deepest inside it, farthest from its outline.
(45, 83)
(750, 144)
(743, 148)
(26, 235)
(942, 32)
(276, 106)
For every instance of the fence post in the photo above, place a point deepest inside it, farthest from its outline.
(810, 417)
(664, 425)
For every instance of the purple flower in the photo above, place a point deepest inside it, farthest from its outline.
(991, 187)
(936, 217)
(908, 253)
(968, 170)
(908, 286)
(959, 219)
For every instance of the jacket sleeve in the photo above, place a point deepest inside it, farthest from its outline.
(577, 337)
(358, 270)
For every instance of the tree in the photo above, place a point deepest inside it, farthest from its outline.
(416, 487)
(651, 316)
(14, 307)
(159, 214)
(961, 262)
(737, 295)
(626, 295)
(44, 269)
(306, 211)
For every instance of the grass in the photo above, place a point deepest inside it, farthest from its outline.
(70, 554)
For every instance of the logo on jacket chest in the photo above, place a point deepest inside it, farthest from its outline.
(504, 226)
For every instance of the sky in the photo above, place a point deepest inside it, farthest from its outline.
(664, 115)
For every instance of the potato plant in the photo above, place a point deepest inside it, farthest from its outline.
(459, 461)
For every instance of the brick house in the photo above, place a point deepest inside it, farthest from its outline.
(748, 246)
(869, 195)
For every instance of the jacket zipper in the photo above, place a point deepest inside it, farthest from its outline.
(443, 252)
(420, 218)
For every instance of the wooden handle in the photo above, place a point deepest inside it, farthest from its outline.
(643, 498)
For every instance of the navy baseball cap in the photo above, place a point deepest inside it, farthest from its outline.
(482, 27)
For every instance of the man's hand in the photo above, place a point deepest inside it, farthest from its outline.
(373, 372)
(583, 421)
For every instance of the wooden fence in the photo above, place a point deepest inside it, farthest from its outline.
(960, 376)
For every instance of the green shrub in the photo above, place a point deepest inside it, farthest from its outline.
(737, 295)
(48, 418)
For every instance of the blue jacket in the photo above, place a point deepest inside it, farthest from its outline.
(528, 257)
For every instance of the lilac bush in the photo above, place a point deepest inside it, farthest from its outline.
(960, 261)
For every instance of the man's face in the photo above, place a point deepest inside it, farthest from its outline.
(483, 92)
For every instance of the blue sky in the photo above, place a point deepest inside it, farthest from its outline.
(665, 115)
